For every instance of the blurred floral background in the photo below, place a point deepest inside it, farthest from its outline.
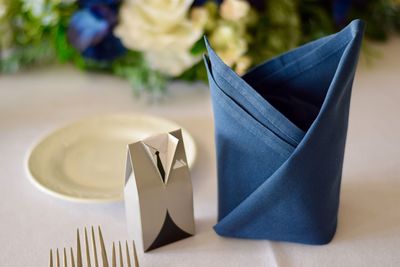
(150, 42)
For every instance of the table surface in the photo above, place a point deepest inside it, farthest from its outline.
(36, 102)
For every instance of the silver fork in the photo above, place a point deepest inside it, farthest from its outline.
(88, 257)
(127, 256)
(57, 262)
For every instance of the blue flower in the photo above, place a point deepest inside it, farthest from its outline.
(340, 9)
(90, 30)
(202, 2)
(90, 3)
(107, 50)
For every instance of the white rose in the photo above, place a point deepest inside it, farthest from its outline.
(170, 63)
(162, 31)
(234, 9)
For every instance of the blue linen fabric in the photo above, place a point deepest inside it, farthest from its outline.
(280, 134)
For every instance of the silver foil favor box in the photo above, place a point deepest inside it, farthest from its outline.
(158, 191)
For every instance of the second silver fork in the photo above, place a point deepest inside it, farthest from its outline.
(57, 261)
(127, 256)
(91, 259)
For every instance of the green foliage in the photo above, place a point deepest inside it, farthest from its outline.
(37, 37)
(64, 51)
(382, 17)
(133, 67)
(196, 73)
(15, 59)
(316, 20)
(278, 29)
(198, 48)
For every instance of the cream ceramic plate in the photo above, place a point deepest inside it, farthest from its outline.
(85, 161)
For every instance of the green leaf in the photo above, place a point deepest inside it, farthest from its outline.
(198, 48)
(63, 49)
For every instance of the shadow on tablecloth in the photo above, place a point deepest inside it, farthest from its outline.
(368, 209)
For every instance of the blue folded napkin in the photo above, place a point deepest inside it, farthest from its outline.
(280, 135)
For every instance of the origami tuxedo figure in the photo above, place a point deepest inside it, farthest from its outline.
(280, 136)
(158, 191)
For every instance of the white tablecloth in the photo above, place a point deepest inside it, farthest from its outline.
(34, 103)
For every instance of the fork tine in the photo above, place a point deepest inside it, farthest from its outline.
(121, 262)
(96, 261)
(78, 250)
(135, 256)
(87, 249)
(51, 258)
(58, 259)
(113, 258)
(72, 258)
(128, 258)
(103, 249)
(65, 258)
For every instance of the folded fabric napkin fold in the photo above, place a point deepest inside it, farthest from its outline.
(280, 135)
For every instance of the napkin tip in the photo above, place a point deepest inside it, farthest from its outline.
(206, 40)
(207, 43)
(357, 26)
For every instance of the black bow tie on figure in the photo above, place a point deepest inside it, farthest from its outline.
(160, 166)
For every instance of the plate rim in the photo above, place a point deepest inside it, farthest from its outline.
(52, 131)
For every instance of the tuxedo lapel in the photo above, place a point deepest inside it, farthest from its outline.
(172, 146)
(166, 145)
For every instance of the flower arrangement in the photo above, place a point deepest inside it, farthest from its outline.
(149, 42)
